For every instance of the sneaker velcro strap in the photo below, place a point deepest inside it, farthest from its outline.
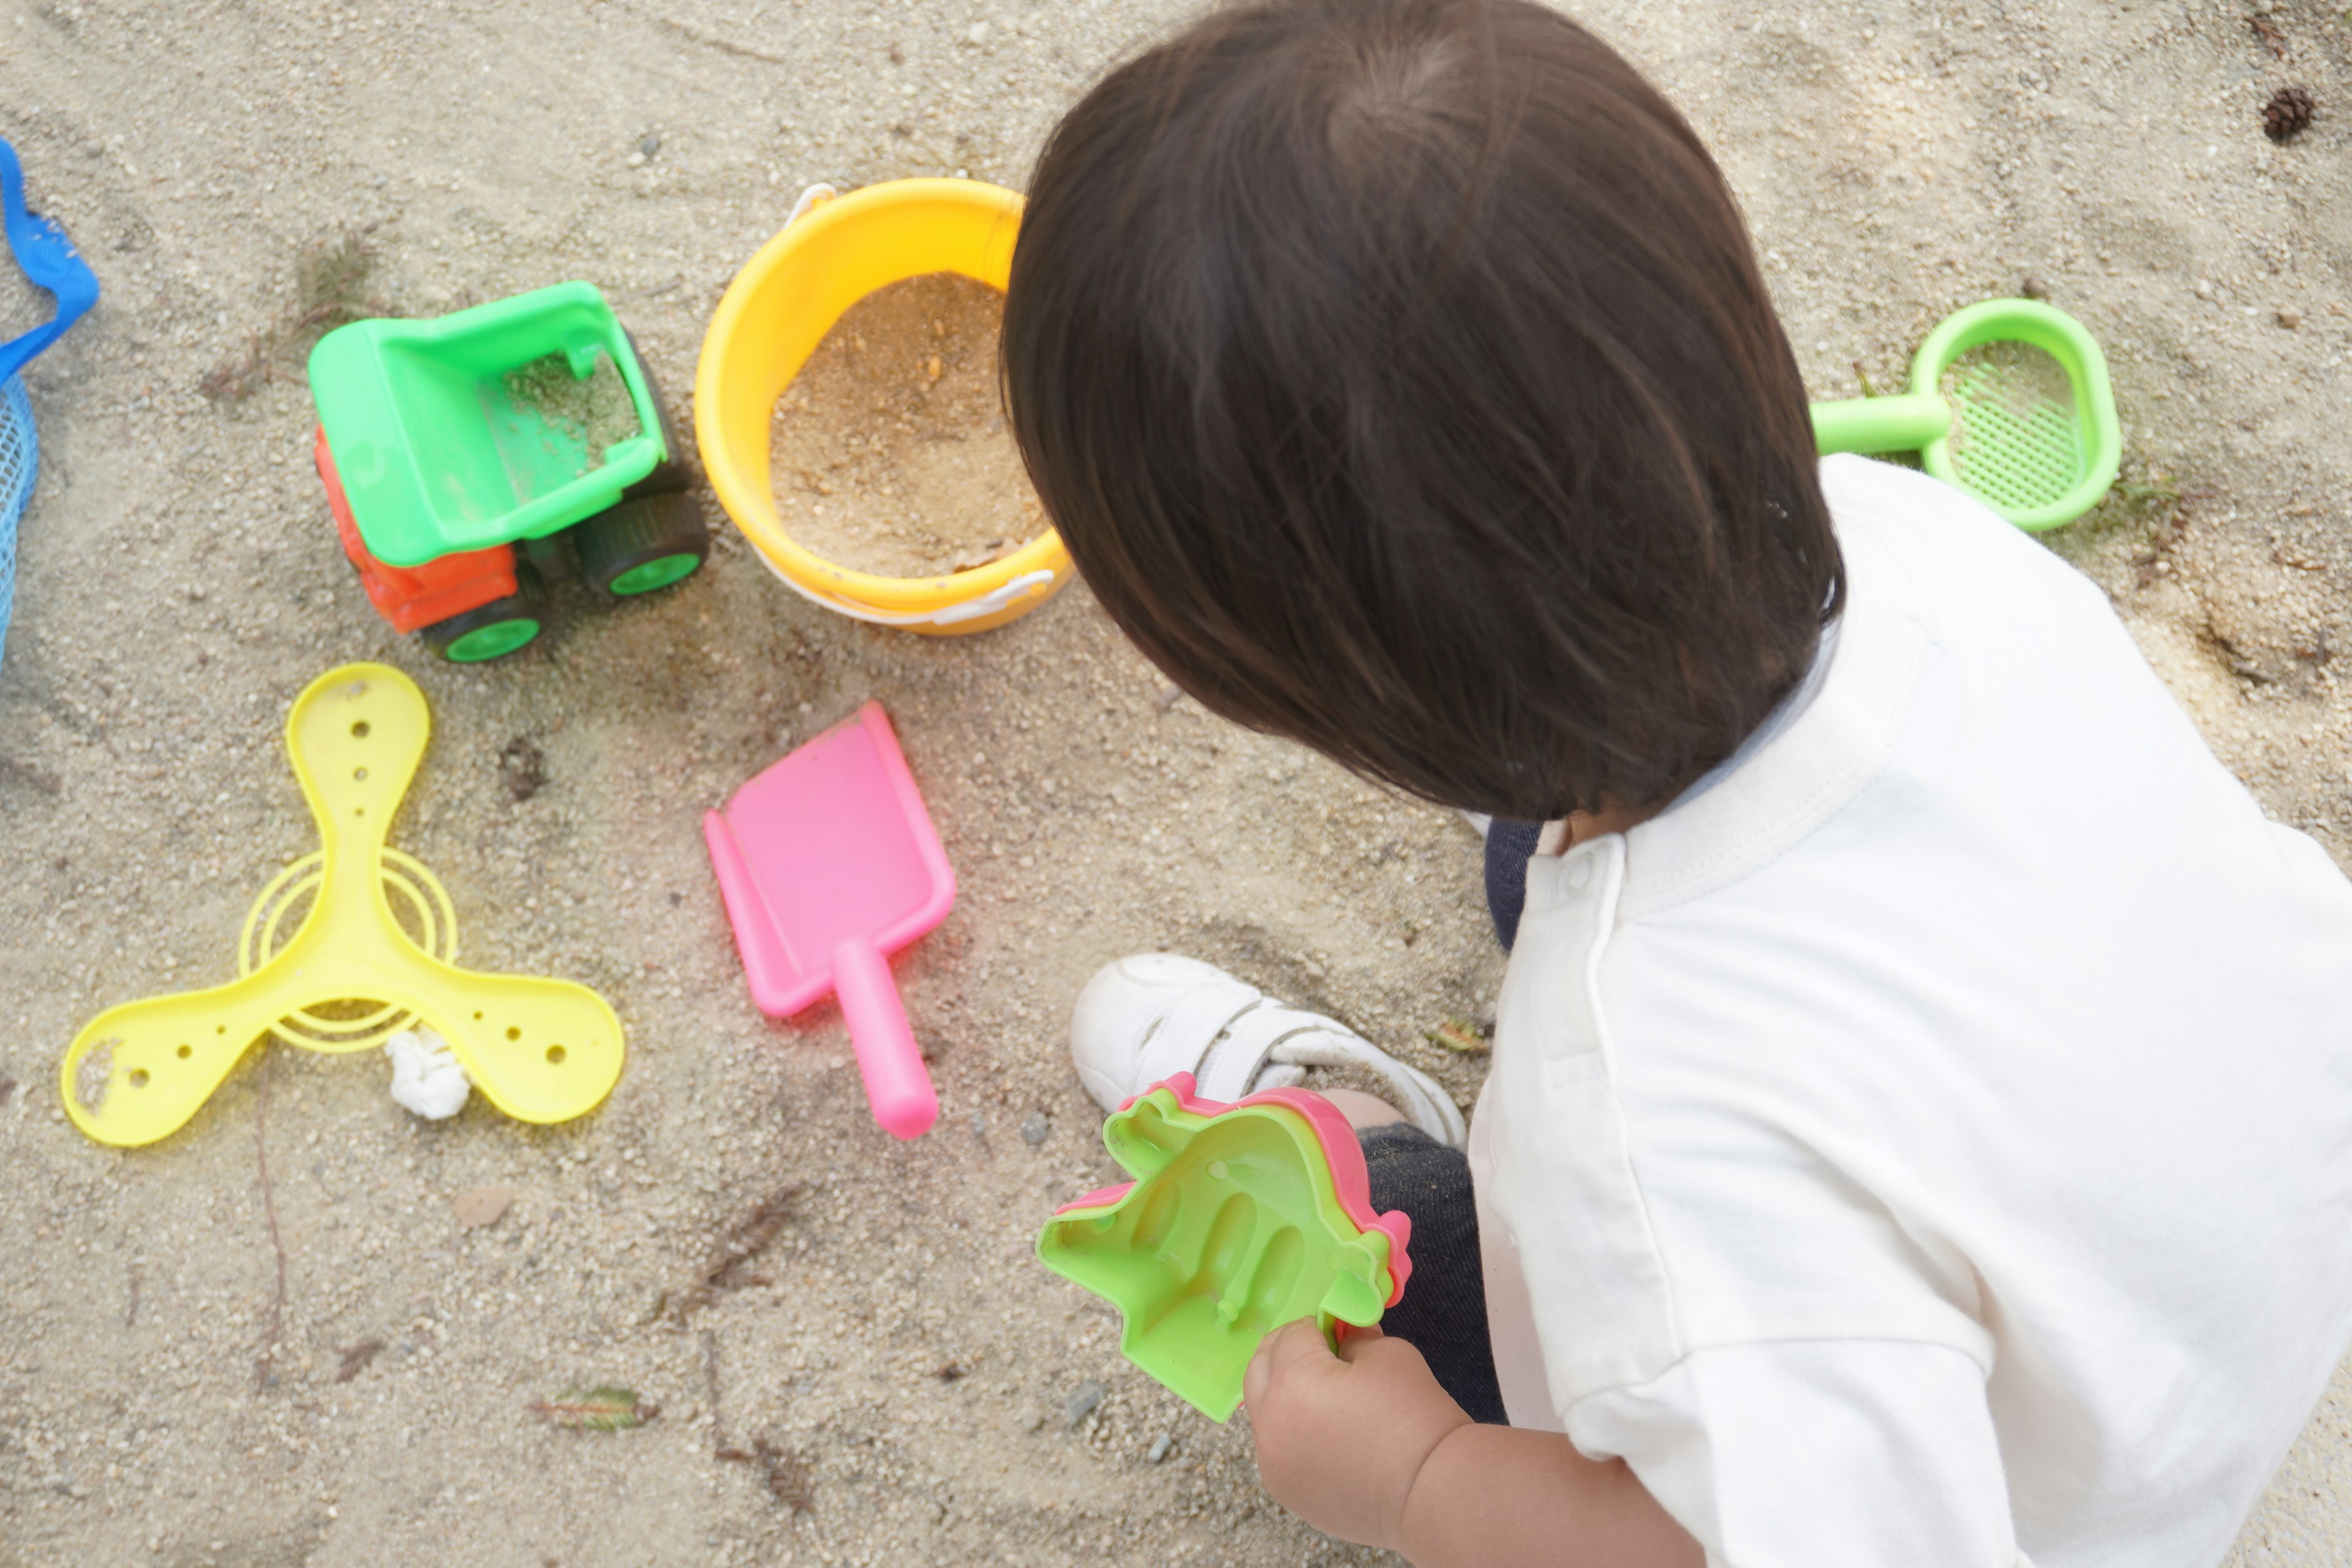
(1412, 1091)
(1235, 1063)
(1186, 1034)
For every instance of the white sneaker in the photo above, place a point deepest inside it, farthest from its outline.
(1149, 1016)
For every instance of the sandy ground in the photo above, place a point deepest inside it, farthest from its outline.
(894, 1346)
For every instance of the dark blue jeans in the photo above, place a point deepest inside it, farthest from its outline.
(1442, 1314)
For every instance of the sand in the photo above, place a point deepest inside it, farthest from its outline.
(889, 450)
(589, 413)
(158, 1404)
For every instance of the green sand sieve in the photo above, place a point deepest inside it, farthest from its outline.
(2009, 401)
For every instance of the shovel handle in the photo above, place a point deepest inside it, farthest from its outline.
(888, 1057)
(1901, 423)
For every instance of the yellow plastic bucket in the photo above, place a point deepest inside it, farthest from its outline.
(831, 255)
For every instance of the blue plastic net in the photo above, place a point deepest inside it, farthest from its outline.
(50, 262)
(20, 456)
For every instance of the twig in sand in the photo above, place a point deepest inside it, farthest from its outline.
(40, 779)
(729, 1268)
(329, 288)
(788, 1477)
(719, 1444)
(788, 1473)
(2268, 32)
(262, 1374)
(355, 1359)
(234, 380)
(708, 40)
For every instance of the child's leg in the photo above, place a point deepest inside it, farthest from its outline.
(1442, 1314)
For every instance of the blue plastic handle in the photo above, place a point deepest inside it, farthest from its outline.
(49, 261)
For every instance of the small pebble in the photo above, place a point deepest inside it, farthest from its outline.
(2204, 287)
(979, 1125)
(523, 768)
(482, 1206)
(2288, 316)
(1159, 1447)
(1036, 1419)
(979, 33)
(649, 143)
(1033, 1130)
(2032, 288)
(1082, 1403)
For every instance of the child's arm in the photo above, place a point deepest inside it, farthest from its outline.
(1366, 1445)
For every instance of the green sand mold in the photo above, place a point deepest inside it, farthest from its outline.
(1232, 1227)
(449, 436)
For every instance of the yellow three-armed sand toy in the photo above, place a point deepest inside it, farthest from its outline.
(831, 255)
(543, 1050)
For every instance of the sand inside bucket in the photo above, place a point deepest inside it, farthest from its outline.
(889, 453)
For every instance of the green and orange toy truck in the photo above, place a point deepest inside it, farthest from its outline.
(474, 458)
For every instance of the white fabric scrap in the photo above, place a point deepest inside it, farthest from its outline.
(425, 1075)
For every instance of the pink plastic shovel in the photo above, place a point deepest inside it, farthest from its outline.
(829, 863)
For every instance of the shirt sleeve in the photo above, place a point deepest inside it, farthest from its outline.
(1817, 1454)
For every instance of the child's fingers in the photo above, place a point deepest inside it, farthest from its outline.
(1354, 1342)
(1280, 1353)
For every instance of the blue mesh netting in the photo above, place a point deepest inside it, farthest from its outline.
(20, 456)
(50, 262)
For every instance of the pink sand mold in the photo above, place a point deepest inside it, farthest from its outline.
(828, 863)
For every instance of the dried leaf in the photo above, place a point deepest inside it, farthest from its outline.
(598, 1410)
(1460, 1035)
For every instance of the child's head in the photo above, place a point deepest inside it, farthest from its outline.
(1402, 382)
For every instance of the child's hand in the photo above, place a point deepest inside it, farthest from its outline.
(1340, 1438)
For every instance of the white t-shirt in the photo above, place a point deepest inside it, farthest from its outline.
(1931, 1146)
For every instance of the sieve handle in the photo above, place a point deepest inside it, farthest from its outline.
(1903, 424)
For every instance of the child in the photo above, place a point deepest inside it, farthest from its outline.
(1919, 1128)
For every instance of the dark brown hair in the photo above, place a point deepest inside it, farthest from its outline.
(1401, 377)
